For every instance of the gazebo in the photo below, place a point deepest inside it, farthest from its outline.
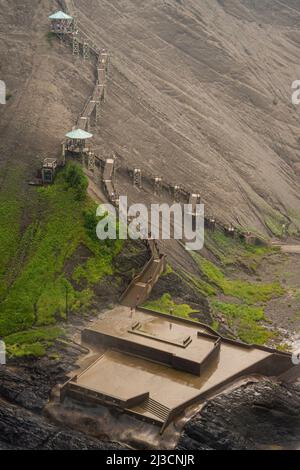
(76, 142)
(61, 23)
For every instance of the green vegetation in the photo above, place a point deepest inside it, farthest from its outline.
(244, 321)
(76, 179)
(215, 325)
(249, 292)
(169, 270)
(275, 225)
(294, 227)
(33, 342)
(201, 286)
(11, 207)
(47, 283)
(230, 251)
(166, 305)
(283, 347)
(245, 311)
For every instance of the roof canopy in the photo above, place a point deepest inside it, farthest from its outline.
(60, 15)
(79, 134)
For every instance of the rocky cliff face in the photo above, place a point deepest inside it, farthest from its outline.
(256, 416)
(25, 389)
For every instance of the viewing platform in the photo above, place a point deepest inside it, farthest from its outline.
(172, 364)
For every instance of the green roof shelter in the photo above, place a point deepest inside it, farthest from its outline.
(79, 134)
(77, 140)
(61, 23)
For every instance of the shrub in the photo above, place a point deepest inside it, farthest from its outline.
(76, 179)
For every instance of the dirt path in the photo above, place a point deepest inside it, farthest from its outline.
(289, 248)
(293, 249)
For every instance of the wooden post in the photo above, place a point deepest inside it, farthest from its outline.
(86, 51)
(91, 161)
(137, 178)
(176, 193)
(76, 51)
(63, 153)
(157, 186)
(97, 112)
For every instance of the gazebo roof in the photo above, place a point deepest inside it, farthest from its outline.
(60, 15)
(79, 134)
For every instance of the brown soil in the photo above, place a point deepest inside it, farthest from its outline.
(199, 92)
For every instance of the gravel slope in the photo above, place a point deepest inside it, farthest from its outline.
(200, 93)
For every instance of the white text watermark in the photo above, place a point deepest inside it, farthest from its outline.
(296, 354)
(159, 221)
(2, 353)
(2, 92)
(296, 93)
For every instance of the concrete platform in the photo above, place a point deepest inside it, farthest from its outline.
(153, 336)
(153, 365)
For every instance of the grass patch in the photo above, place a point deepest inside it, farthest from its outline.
(201, 286)
(215, 325)
(297, 296)
(275, 225)
(11, 208)
(169, 270)
(33, 342)
(249, 292)
(230, 251)
(244, 321)
(166, 305)
(41, 292)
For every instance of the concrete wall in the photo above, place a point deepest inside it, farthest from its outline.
(73, 390)
(148, 352)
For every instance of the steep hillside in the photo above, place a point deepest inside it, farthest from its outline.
(46, 88)
(200, 93)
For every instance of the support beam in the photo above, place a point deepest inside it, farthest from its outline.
(91, 161)
(211, 223)
(157, 186)
(97, 112)
(137, 178)
(76, 49)
(63, 153)
(86, 51)
(230, 231)
(176, 193)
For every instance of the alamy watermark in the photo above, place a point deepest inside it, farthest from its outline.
(296, 93)
(159, 221)
(2, 353)
(2, 92)
(296, 354)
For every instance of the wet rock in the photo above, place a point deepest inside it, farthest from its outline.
(255, 416)
(28, 383)
(25, 389)
(21, 429)
(19, 387)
